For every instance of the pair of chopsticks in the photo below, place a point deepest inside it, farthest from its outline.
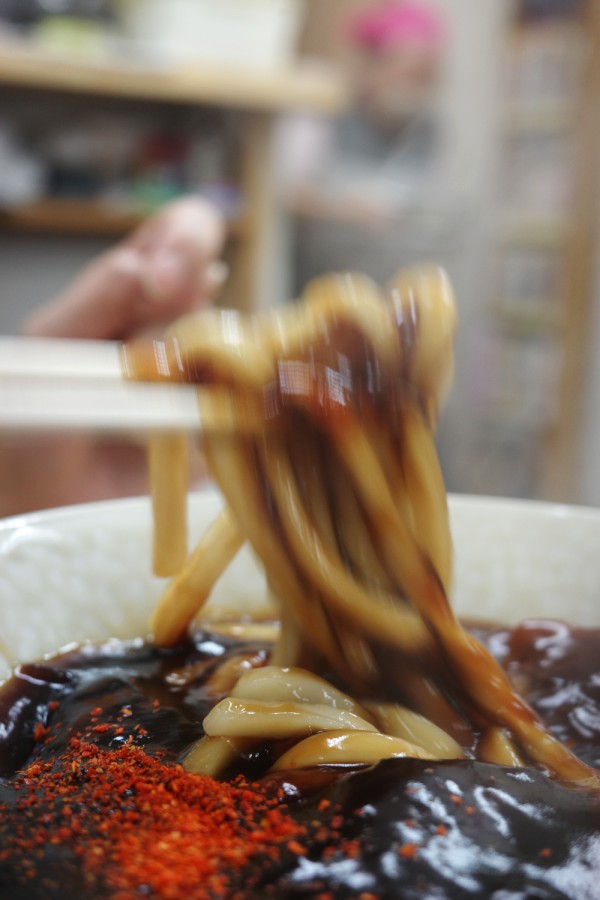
(53, 385)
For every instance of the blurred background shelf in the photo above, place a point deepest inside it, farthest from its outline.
(536, 230)
(547, 117)
(508, 203)
(55, 215)
(542, 297)
(528, 316)
(59, 216)
(315, 87)
(234, 107)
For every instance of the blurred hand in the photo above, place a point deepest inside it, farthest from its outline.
(167, 267)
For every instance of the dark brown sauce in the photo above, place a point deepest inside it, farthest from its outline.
(337, 370)
(457, 829)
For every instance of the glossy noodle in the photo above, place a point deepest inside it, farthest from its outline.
(327, 463)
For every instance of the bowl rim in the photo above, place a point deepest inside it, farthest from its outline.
(455, 501)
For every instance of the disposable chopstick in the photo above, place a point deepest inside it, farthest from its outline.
(48, 384)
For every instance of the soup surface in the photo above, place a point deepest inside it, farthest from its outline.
(95, 804)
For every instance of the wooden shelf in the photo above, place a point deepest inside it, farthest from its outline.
(528, 316)
(539, 118)
(569, 110)
(82, 217)
(535, 230)
(566, 30)
(69, 217)
(306, 86)
(255, 96)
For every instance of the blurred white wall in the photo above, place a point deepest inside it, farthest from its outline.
(589, 487)
(469, 103)
(469, 110)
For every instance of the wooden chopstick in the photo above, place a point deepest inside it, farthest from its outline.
(55, 385)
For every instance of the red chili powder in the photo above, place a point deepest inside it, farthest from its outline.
(140, 825)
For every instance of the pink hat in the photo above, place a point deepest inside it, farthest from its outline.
(393, 24)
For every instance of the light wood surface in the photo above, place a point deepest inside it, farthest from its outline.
(548, 334)
(68, 217)
(544, 231)
(560, 475)
(315, 87)
(254, 266)
(56, 215)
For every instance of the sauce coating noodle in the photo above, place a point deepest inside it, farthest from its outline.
(329, 470)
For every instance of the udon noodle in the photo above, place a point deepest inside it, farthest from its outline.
(326, 459)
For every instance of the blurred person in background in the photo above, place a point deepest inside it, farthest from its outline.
(166, 268)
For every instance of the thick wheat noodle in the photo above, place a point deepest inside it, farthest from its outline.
(412, 471)
(377, 616)
(190, 589)
(404, 723)
(245, 353)
(412, 573)
(290, 643)
(288, 703)
(425, 486)
(250, 365)
(168, 469)
(343, 747)
(237, 476)
(226, 342)
(319, 487)
(294, 684)
(420, 298)
(356, 545)
(272, 719)
(304, 606)
(481, 677)
(313, 489)
(358, 553)
(390, 456)
(341, 599)
(211, 756)
(496, 746)
(316, 485)
(358, 549)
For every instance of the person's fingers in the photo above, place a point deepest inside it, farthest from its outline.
(212, 279)
(159, 272)
(179, 246)
(103, 302)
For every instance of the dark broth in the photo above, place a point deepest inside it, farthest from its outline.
(403, 827)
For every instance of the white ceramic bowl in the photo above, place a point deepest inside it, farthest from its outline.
(83, 572)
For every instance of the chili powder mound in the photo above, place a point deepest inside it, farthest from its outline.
(138, 826)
